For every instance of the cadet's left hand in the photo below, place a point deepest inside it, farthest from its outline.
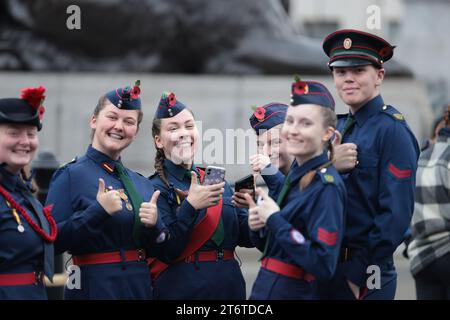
(345, 154)
(149, 212)
(254, 222)
(267, 207)
(238, 198)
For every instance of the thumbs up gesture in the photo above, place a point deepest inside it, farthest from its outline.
(148, 212)
(254, 222)
(266, 208)
(345, 154)
(258, 162)
(108, 199)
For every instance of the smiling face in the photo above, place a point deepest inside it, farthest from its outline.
(271, 144)
(178, 138)
(305, 131)
(18, 144)
(114, 129)
(357, 85)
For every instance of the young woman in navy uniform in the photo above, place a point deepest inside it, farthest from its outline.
(305, 225)
(204, 226)
(272, 161)
(106, 213)
(377, 160)
(27, 230)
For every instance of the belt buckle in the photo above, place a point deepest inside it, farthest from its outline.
(219, 255)
(141, 254)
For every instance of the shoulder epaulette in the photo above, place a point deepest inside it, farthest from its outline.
(70, 162)
(325, 176)
(392, 112)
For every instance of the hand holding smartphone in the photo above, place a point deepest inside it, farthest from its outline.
(213, 175)
(210, 191)
(247, 182)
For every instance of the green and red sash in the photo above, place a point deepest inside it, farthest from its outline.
(200, 235)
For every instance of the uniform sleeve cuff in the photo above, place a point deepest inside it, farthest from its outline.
(96, 214)
(268, 171)
(156, 234)
(187, 212)
(275, 222)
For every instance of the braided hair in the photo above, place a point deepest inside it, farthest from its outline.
(160, 156)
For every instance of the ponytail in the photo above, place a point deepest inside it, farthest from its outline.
(305, 181)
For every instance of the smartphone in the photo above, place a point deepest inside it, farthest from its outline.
(247, 182)
(213, 175)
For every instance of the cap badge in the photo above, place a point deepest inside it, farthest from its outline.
(347, 43)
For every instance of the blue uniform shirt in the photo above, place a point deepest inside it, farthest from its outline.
(211, 280)
(85, 227)
(306, 232)
(21, 252)
(380, 188)
(274, 180)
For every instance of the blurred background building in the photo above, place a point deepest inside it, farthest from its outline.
(419, 29)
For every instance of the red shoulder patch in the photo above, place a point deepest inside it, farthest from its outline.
(329, 238)
(398, 173)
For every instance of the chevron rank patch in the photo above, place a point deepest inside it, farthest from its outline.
(329, 238)
(399, 173)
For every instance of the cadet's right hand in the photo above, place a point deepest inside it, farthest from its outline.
(148, 213)
(109, 200)
(201, 197)
(254, 221)
(345, 154)
(258, 162)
